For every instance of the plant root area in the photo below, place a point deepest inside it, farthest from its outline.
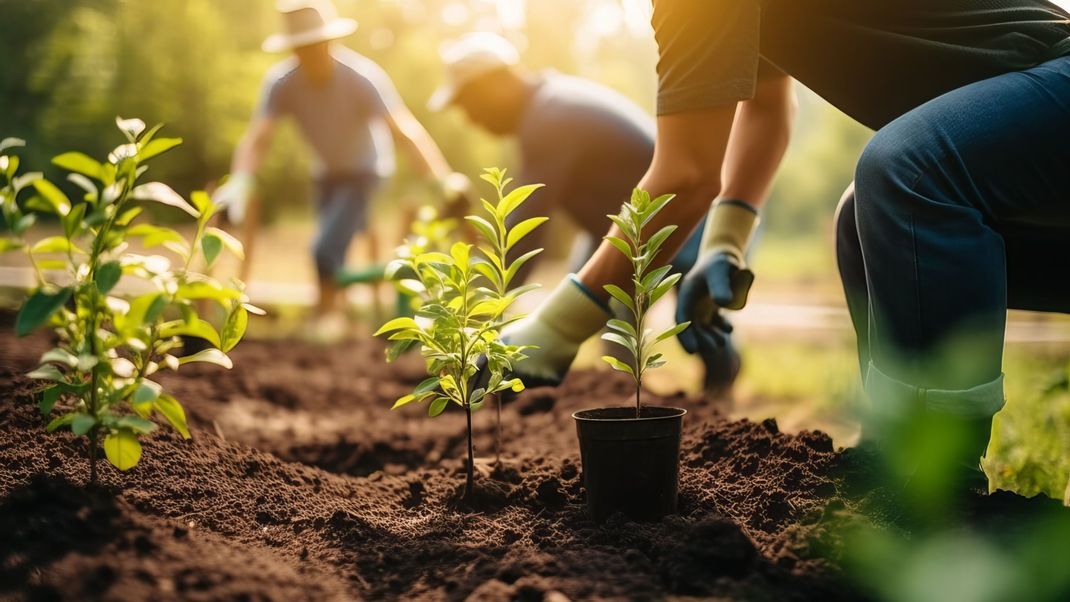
(300, 483)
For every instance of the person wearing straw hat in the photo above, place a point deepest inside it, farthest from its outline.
(587, 143)
(349, 112)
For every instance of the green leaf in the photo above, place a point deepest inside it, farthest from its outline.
(145, 309)
(131, 127)
(623, 340)
(91, 193)
(153, 236)
(514, 268)
(618, 293)
(7, 143)
(654, 277)
(519, 231)
(135, 424)
(157, 146)
(122, 449)
(195, 328)
(671, 332)
(57, 201)
(210, 356)
(72, 222)
(515, 197)
(231, 243)
(60, 356)
(79, 163)
(487, 229)
(159, 192)
(8, 245)
(52, 244)
(46, 372)
(49, 397)
(146, 392)
(174, 413)
(39, 308)
(207, 289)
(617, 364)
(622, 326)
(211, 245)
(621, 245)
(437, 406)
(201, 201)
(461, 254)
(108, 275)
(655, 207)
(402, 323)
(665, 286)
(60, 421)
(626, 227)
(82, 423)
(658, 238)
(427, 386)
(403, 401)
(234, 328)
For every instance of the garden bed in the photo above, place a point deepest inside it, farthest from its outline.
(299, 483)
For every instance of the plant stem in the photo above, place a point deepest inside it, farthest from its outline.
(498, 451)
(93, 456)
(470, 477)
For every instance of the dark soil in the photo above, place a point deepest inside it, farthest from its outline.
(299, 483)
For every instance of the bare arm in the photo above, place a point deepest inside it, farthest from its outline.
(759, 139)
(744, 146)
(253, 146)
(410, 135)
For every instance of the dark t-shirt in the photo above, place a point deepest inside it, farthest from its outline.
(874, 59)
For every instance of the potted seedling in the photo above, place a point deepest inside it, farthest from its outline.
(465, 296)
(98, 380)
(630, 455)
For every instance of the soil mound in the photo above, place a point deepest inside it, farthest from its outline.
(300, 483)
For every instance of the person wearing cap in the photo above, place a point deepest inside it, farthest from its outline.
(958, 210)
(348, 110)
(587, 143)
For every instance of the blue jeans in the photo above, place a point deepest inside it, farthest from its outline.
(342, 204)
(960, 209)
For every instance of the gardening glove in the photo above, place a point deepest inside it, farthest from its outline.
(571, 315)
(235, 196)
(720, 277)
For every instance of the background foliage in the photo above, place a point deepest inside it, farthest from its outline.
(196, 65)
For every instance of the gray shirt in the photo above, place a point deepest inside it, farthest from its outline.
(344, 120)
(590, 146)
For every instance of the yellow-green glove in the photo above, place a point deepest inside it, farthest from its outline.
(720, 277)
(567, 318)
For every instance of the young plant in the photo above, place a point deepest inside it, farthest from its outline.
(648, 286)
(465, 296)
(98, 378)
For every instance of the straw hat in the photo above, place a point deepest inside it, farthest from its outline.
(308, 22)
(471, 56)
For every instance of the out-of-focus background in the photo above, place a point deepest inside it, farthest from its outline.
(67, 67)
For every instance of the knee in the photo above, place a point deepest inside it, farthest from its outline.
(888, 164)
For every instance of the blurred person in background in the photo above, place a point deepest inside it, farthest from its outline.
(349, 112)
(587, 143)
(958, 210)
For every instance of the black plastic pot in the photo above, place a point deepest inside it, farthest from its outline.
(630, 465)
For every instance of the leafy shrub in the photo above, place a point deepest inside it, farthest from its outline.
(99, 376)
(648, 286)
(465, 296)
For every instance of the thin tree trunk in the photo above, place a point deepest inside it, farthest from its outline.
(498, 451)
(470, 478)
